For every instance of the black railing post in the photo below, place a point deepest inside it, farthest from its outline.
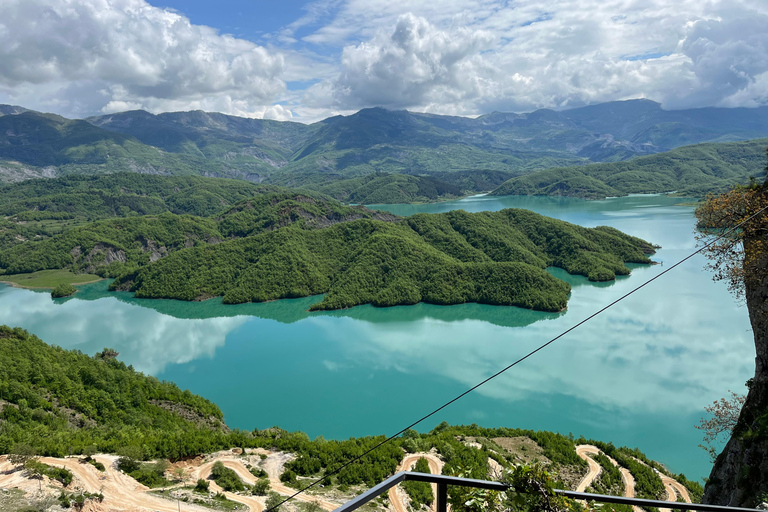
(442, 497)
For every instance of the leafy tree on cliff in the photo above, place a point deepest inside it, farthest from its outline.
(740, 474)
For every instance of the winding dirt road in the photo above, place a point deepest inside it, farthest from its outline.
(626, 476)
(674, 488)
(256, 504)
(397, 496)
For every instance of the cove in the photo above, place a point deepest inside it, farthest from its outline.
(639, 374)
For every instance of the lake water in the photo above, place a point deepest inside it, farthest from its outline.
(639, 374)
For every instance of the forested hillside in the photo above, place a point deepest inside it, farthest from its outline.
(340, 154)
(690, 171)
(493, 258)
(294, 244)
(60, 401)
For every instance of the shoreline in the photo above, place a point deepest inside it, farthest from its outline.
(18, 285)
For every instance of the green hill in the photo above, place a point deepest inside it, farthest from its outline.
(342, 155)
(689, 171)
(60, 401)
(294, 244)
(456, 257)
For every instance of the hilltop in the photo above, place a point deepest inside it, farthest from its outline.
(690, 171)
(359, 158)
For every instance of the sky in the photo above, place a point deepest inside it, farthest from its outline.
(304, 61)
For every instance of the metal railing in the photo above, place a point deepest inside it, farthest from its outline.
(441, 500)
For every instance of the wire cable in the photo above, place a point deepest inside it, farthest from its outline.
(529, 354)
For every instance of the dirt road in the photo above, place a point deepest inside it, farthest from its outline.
(238, 467)
(397, 496)
(626, 476)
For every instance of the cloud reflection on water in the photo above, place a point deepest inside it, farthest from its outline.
(147, 340)
(673, 346)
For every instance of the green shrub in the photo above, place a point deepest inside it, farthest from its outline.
(63, 290)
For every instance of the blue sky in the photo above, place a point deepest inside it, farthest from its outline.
(305, 61)
(254, 20)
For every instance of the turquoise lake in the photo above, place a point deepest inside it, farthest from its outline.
(639, 374)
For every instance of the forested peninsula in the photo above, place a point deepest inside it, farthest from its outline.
(691, 171)
(281, 244)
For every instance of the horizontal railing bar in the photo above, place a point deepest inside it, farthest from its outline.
(640, 502)
(402, 476)
(371, 493)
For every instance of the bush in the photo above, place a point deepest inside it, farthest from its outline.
(226, 478)
(261, 487)
(288, 477)
(419, 492)
(201, 485)
(63, 290)
(273, 501)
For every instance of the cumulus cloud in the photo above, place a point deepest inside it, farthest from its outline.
(413, 64)
(82, 56)
(469, 57)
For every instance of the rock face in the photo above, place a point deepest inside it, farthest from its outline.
(740, 474)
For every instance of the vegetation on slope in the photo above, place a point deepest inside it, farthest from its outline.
(60, 401)
(689, 171)
(305, 210)
(380, 188)
(452, 258)
(54, 402)
(110, 246)
(67, 146)
(122, 195)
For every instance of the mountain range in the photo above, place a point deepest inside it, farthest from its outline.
(342, 155)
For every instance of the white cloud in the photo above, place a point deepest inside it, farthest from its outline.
(414, 64)
(83, 56)
(151, 340)
(468, 57)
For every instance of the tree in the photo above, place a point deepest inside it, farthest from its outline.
(20, 454)
(741, 258)
(273, 502)
(724, 416)
(63, 290)
(261, 487)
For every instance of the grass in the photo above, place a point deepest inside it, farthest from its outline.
(49, 278)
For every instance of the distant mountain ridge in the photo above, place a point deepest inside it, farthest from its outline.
(373, 140)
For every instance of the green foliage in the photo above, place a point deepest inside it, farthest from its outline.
(226, 478)
(122, 195)
(381, 188)
(490, 257)
(201, 485)
(63, 290)
(109, 245)
(419, 492)
(66, 401)
(37, 468)
(689, 171)
(609, 481)
(531, 488)
(261, 487)
(273, 502)
(66, 500)
(288, 477)
(647, 483)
